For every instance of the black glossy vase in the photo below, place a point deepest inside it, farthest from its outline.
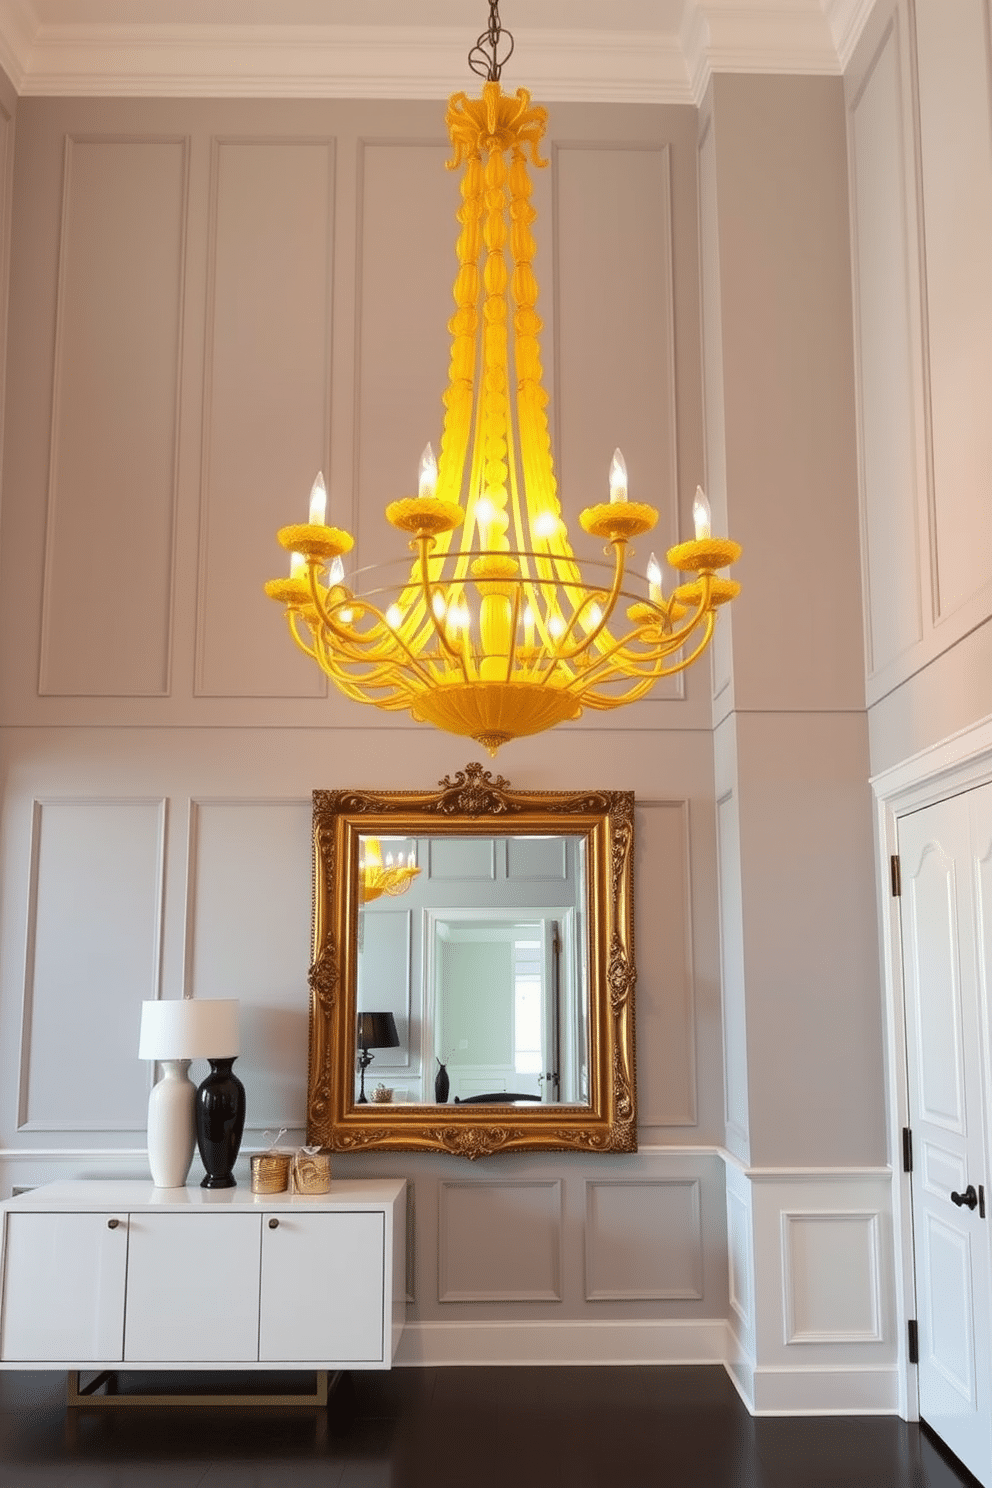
(441, 1084)
(220, 1121)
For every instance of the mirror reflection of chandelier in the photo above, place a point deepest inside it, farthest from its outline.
(377, 876)
(496, 630)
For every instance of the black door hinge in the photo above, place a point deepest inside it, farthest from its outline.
(914, 1342)
(896, 873)
(907, 1150)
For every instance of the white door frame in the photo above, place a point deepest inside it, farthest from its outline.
(956, 764)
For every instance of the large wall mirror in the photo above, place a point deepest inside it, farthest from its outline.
(472, 986)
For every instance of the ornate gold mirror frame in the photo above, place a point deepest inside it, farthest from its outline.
(473, 805)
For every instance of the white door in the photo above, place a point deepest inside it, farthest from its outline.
(946, 860)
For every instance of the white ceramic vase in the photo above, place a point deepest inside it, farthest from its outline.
(171, 1127)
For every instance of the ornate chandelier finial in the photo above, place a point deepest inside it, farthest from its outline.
(499, 632)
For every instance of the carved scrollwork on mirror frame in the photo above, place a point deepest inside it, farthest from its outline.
(589, 1023)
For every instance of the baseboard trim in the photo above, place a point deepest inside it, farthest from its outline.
(846, 1390)
(766, 1392)
(641, 1341)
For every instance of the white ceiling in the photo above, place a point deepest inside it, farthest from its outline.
(634, 50)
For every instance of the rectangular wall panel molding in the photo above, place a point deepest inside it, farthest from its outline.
(665, 999)
(614, 307)
(892, 457)
(644, 1240)
(267, 400)
(248, 903)
(955, 120)
(114, 432)
(402, 307)
(93, 955)
(831, 1270)
(500, 1242)
(732, 967)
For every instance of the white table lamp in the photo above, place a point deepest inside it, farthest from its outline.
(173, 1033)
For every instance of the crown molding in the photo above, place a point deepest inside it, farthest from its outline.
(337, 61)
(17, 30)
(340, 62)
(847, 20)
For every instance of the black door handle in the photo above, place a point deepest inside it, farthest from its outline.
(969, 1199)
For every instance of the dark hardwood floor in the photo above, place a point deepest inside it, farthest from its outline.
(619, 1427)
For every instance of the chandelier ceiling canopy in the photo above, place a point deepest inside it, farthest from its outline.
(497, 630)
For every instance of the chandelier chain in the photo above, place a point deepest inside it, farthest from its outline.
(484, 58)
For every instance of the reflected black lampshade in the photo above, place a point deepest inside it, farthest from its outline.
(375, 1031)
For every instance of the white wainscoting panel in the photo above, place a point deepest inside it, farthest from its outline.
(831, 1269)
(114, 433)
(644, 1240)
(825, 1337)
(956, 168)
(93, 955)
(266, 402)
(740, 1251)
(892, 472)
(248, 936)
(500, 1242)
(664, 998)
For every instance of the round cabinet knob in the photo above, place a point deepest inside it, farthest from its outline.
(273, 1224)
(112, 1224)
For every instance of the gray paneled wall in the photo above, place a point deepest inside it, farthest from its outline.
(919, 97)
(238, 294)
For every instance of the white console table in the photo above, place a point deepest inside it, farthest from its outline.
(123, 1276)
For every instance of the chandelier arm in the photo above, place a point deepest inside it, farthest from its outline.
(295, 619)
(621, 651)
(619, 562)
(608, 700)
(361, 653)
(426, 550)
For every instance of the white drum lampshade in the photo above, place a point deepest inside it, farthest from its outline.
(174, 1032)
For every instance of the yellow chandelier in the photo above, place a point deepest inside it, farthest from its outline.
(500, 633)
(376, 877)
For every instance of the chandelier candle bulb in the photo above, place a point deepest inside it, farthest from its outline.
(297, 565)
(318, 501)
(618, 477)
(427, 482)
(654, 580)
(701, 515)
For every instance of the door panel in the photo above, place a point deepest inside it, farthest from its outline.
(208, 1310)
(946, 936)
(322, 1288)
(63, 1290)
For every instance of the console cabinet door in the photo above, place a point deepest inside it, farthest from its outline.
(192, 1288)
(63, 1287)
(323, 1281)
